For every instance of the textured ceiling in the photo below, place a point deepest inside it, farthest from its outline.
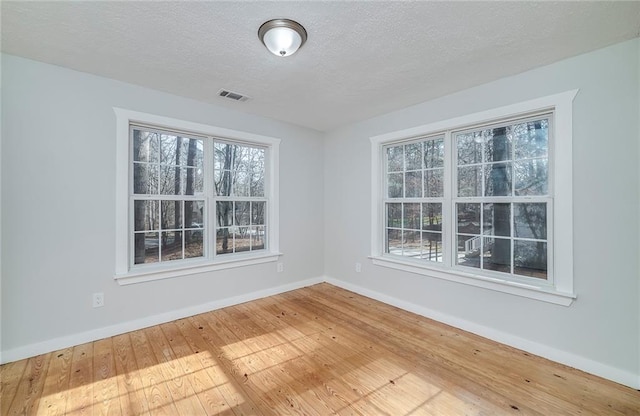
(362, 59)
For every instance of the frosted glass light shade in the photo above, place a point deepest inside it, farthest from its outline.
(282, 41)
(283, 37)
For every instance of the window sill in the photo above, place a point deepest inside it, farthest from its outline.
(545, 294)
(147, 274)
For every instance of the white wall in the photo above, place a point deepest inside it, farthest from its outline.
(58, 218)
(600, 331)
(0, 211)
(638, 256)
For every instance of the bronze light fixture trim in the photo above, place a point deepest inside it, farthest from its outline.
(283, 37)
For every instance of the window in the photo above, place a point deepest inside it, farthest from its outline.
(502, 197)
(240, 199)
(415, 190)
(167, 196)
(477, 199)
(192, 198)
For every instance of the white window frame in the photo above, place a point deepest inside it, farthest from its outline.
(124, 273)
(560, 288)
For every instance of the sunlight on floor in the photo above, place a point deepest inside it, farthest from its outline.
(151, 389)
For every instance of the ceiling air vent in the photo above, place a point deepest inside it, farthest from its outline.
(232, 95)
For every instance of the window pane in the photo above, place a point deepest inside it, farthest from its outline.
(531, 139)
(194, 246)
(496, 254)
(242, 240)
(223, 181)
(243, 158)
(240, 157)
(497, 147)
(193, 152)
(411, 216)
(242, 213)
(432, 246)
(227, 158)
(257, 159)
(241, 183)
(193, 181)
(224, 213)
(171, 212)
(394, 159)
(434, 153)
(182, 157)
(194, 214)
(530, 220)
(170, 180)
(257, 186)
(432, 216)
(395, 185)
(145, 248)
(145, 179)
(434, 183)
(468, 250)
(394, 215)
(145, 146)
(189, 152)
(468, 218)
(470, 180)
(257, 181)
(412, 244)
(530, 258)
(171, 245)
(222, 155)
(224, 241)
(181, 151)
(168, 149)
(258, 235)
(413, 156)
(394, 241)
(469, 147)
(145, 215)
(413, 183)
(532, 177)
(497, 219)
(498, 179)
(257, 213)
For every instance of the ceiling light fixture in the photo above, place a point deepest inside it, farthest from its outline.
(283, 37)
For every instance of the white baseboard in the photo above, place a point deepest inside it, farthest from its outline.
(121, 328)
(581, 363)
(590, 366)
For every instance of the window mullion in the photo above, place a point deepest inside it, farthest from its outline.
(210, 198)
(183, 229)
(160, 233)
(448, 211)
(481, 255)
(512, 236)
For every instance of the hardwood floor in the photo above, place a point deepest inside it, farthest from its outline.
(315, 351)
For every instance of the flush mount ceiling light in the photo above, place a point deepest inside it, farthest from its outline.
(282, 37)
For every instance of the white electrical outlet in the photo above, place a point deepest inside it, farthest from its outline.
(98, 300)
(280, 267)
(358, 267)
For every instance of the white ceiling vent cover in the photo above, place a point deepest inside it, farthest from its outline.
(233, 95)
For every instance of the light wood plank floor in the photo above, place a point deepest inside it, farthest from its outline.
(320, 350)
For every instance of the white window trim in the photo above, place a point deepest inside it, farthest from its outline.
(561, 292)
(123, 274)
